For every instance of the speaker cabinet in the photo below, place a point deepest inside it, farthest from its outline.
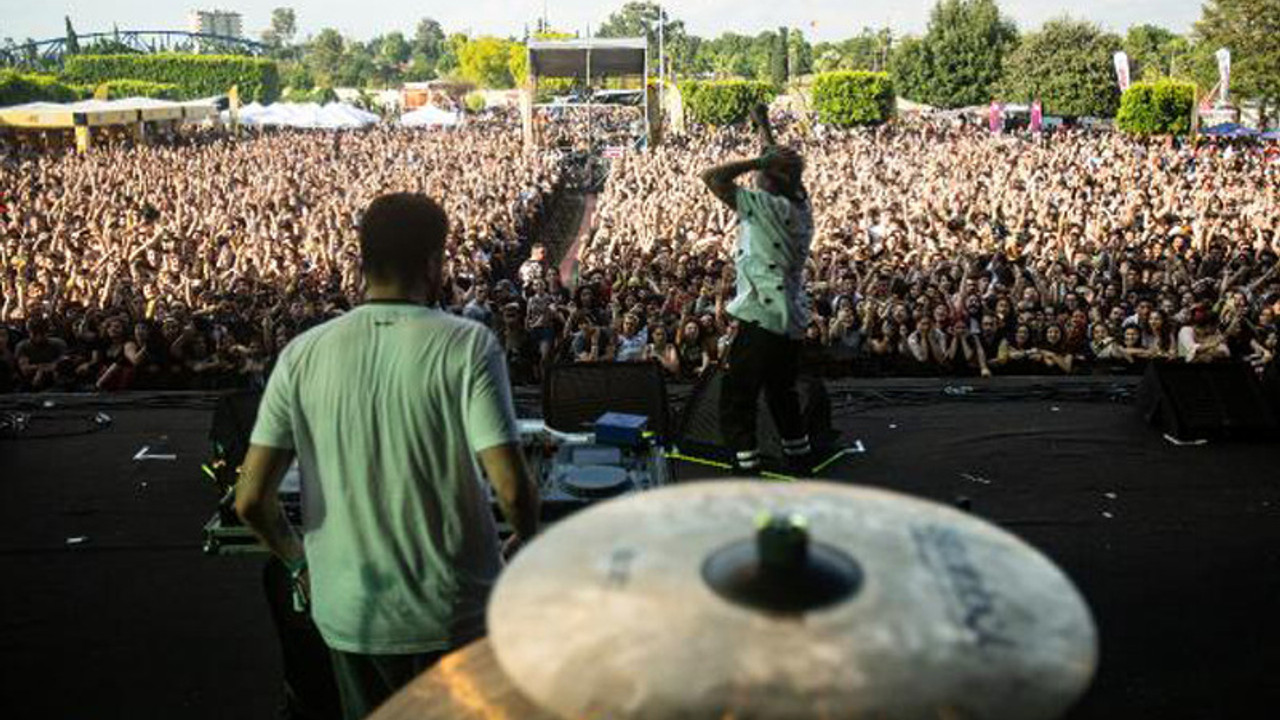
(699, 430)
(574, 395)
(1215, 400)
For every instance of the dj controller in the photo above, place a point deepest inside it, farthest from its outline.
(572, 471)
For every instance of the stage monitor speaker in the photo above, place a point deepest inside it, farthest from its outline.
(233, 419)
(574, 395)
(1216, 400)
(699, 431)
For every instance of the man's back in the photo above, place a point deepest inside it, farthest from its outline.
(387, 407)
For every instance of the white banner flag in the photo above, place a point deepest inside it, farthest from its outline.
(1122, 70)
(1224, 73)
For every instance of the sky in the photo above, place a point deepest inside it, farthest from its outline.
(820, 19)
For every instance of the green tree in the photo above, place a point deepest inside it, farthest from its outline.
(486, 61)
(1193, 61)
(864, 51)
(1151, 50)
(284, 27)
(729, 55)
(641, 19)
(959, 59)
(909, 66)
(394, 49)
(778, 59)
(296, 76)
(1251, 30)
(420, 69)
(450, 54)
(109, 46)
(324, 56)
(800, 53)
(518, 62)
(73, 42)
(428, 40)
(358, 67)
(1068, 65)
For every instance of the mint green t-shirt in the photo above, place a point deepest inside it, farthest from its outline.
(774, 235)
(387, 407)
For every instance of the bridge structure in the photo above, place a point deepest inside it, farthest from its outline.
(47, 54)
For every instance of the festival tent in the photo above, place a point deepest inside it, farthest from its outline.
(307, 115)
(104, 112)
(429, 116)
(343, 115)
(82, 117)
(1271, 135)
(247, 112)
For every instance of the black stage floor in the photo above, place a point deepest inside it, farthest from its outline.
(110, 610)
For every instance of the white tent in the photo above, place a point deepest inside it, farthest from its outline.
(307, 115)
(342, 115)
(429, 116)
(248, 112)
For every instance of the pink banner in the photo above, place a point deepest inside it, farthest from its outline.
(1224, 74)
(1122, 70)
(1037, 116)
(996, 117)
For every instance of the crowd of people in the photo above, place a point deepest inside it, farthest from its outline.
(938, 250)
(941, 249)
(190, 264)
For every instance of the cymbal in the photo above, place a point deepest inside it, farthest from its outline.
(848, 602)
(464, 685)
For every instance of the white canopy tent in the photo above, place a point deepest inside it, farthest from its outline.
(429, 116)
(333, 116)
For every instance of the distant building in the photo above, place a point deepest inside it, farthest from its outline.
(215, 22)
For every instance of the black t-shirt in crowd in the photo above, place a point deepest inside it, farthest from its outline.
(51, 350)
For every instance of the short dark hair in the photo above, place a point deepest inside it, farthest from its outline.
(399, 233)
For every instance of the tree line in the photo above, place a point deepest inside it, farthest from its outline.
(970, 53)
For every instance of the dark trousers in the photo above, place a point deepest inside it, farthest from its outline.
(309, 689)
(366, 681)
(759, 359)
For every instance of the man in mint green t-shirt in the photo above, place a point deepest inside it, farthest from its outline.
(775, 231)
(388, 409)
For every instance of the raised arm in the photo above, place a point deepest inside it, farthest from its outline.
(760, 118)
(721, 179)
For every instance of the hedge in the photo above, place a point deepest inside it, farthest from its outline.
(18, 88)
(1162, 107)
(141, 88)
(848, 98)
(195, 75)
(724, 102)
